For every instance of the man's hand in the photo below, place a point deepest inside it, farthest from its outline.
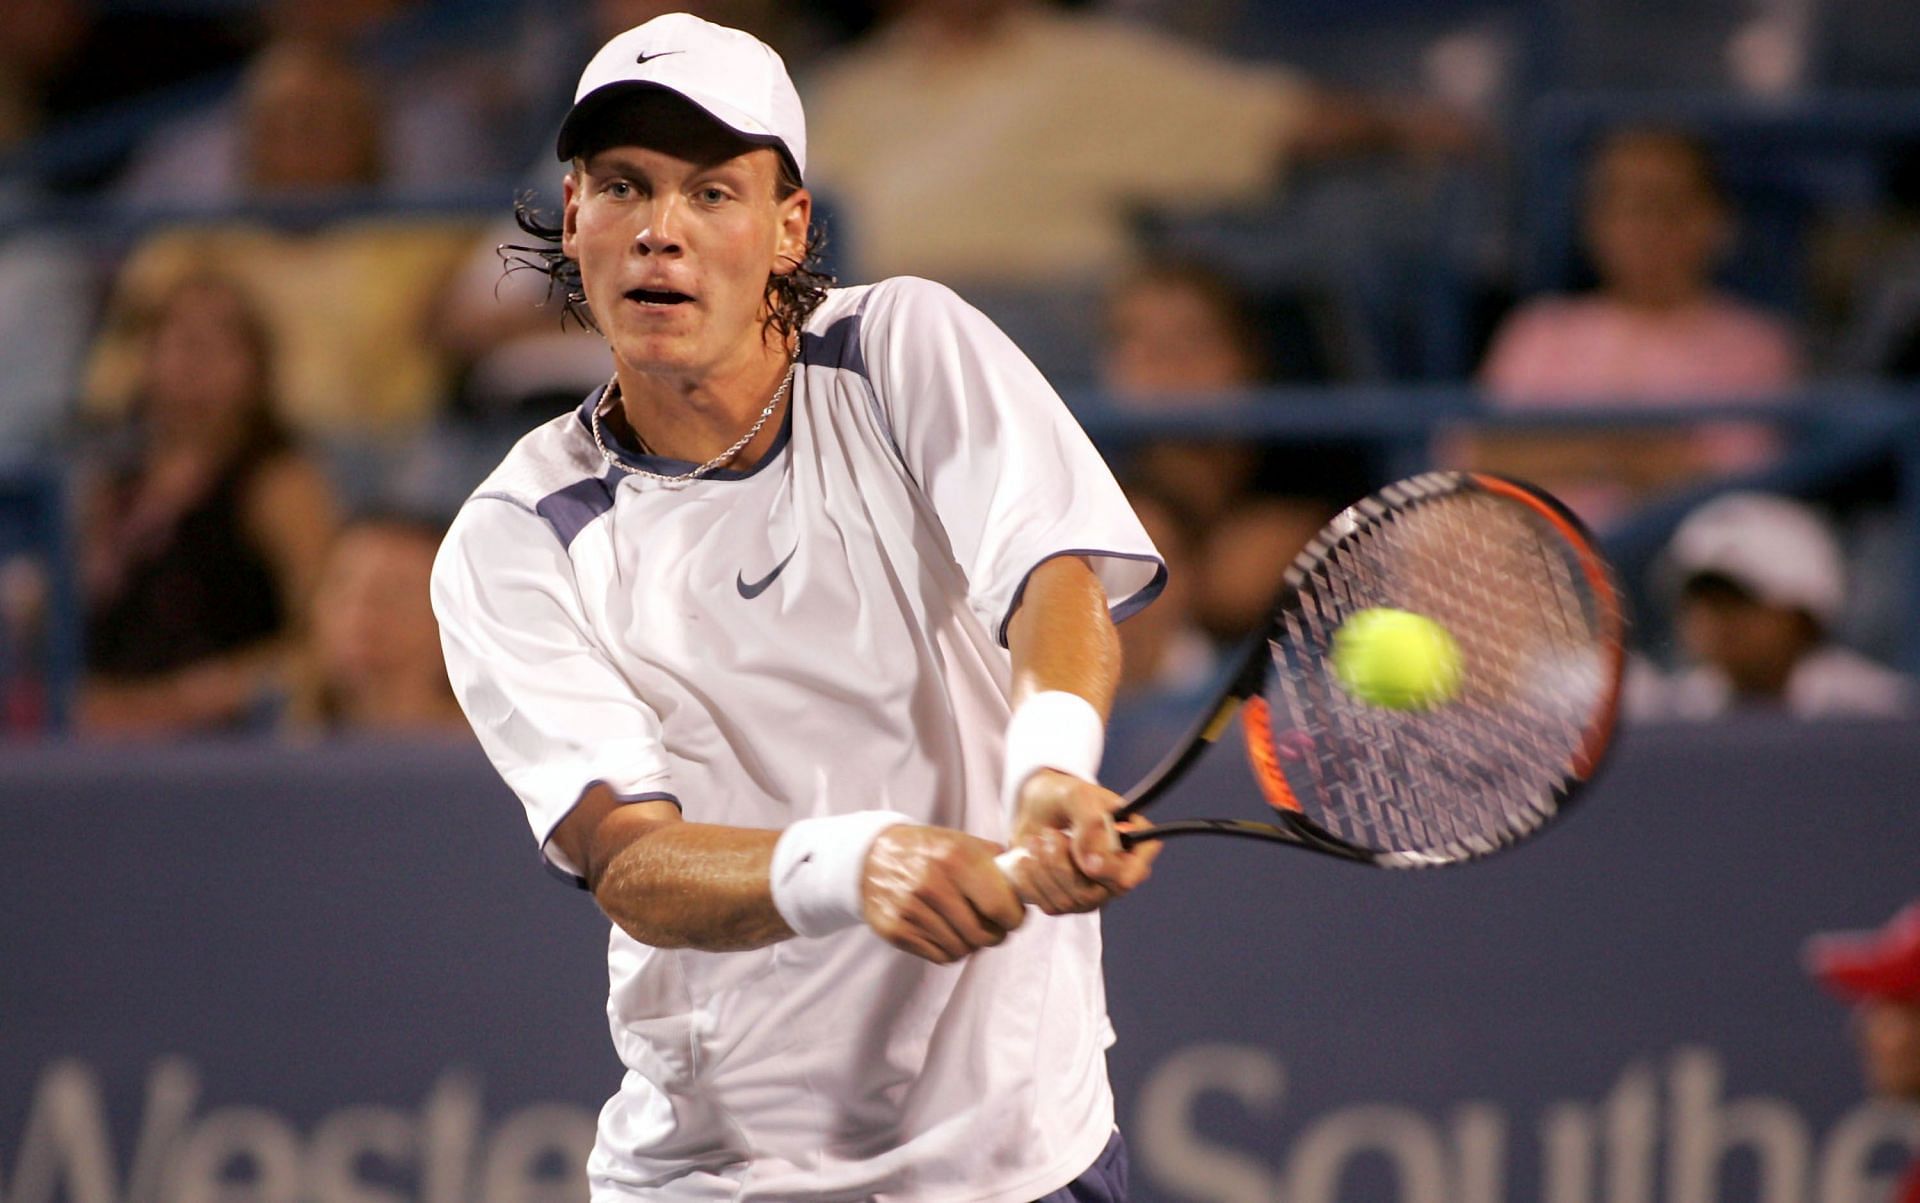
(936, 893)
(1077, 862)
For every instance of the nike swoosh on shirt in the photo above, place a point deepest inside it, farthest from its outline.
(752, 589)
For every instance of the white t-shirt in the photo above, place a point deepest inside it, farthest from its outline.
(823, 633)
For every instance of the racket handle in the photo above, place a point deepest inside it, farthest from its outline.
(1011, 859)
(1007, 862)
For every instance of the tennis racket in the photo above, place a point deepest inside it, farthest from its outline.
(1514, 578)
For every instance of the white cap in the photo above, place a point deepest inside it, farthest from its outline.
(735, 77)
(1781, 551)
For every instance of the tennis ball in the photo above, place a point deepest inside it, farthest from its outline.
(1397, 659)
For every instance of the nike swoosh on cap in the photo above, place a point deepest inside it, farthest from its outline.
(753, 589)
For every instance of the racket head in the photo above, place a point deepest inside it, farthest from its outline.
(1535, 611)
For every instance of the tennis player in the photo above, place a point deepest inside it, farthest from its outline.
(780, 638)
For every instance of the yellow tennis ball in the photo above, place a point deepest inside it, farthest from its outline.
(1397, 659)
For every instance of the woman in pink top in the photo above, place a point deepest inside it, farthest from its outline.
(1656, 333)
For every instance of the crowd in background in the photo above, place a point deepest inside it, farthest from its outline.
(253, 301)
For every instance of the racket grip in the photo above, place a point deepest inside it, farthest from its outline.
(1007, 862)
(1011, 859)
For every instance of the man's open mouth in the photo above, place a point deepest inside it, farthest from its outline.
(650, 296)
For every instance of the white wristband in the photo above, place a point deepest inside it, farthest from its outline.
(820, 865)
(1052, 729)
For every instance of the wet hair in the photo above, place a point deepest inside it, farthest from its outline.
(791, 296)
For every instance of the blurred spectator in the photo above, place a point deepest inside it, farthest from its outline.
(1247, 553)
(1760, 585)
(1179, 334)
(203, 533)
(1180, 326)
(1657, 224)
(305, 122)
(1879, 973)
(1162, 648)
(1005, 142)
(372, 661)
(1656, 332)
(326, 84)
(63, 60)
(309, 125)
(349, 302)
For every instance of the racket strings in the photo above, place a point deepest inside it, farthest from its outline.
(1521, 596)
(1481, 769)
(1353, 790)
(1498, 593)
(1493, 718)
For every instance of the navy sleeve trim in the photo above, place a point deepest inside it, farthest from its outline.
(1121, 610)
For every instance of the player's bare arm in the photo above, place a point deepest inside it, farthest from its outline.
(1063, 639)
(669, 883)
(673, 884)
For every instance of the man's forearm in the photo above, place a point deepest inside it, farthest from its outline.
(1066, 665)
(929, 891)
(689, 885)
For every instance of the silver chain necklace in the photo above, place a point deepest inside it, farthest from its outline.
(612, 395)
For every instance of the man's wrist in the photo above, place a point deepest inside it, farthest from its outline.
(819, 869)
(1052, 729)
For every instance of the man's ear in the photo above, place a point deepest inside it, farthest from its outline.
(796, 215)
(569, 212)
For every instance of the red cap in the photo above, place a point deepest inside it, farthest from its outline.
(1882, 964)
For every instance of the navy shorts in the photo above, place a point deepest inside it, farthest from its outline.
(1104, 1182)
